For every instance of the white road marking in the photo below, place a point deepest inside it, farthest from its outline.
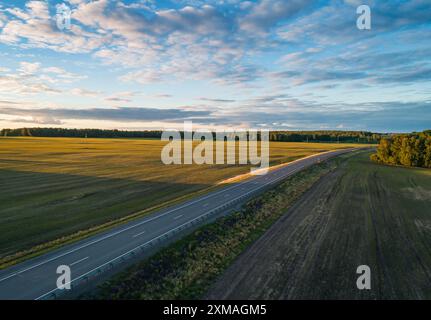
(76, 262)
(137, 235)
(205, 204)
(177, 217)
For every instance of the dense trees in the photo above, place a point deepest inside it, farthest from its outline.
(411, 150)
(79, 133)
(326, 136)
(290, 136)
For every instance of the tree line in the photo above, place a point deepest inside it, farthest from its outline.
(79, 133)
(286, 136)
(411, 150)
(326, 136)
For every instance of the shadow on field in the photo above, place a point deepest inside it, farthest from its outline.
(38, 207)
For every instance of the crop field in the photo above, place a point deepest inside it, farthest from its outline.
(360, 214)
(52, 187)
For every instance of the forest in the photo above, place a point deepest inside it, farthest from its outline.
(78, 133)
(411, 150)
(285, 136)
(327, 136)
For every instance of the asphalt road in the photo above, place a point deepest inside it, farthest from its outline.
(36, 278)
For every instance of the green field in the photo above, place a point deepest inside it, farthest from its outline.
(52, 187)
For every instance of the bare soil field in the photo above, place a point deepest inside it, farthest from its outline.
(361, 214)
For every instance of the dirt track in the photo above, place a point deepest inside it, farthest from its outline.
(353, 216)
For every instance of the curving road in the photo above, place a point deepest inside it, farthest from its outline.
(36, 278)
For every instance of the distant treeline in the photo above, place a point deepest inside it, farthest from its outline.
(326, 136)
(78, 133)
(412, 150)
(288, 136)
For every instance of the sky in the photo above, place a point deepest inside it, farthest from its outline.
(270, 64)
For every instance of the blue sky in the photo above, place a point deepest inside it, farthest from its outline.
(276, 64)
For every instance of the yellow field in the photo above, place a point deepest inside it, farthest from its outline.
(51, 187)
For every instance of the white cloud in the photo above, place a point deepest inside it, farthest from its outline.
(267, 13)
(38, 9)
(62, 75)
(85, 92)
(29, 67)
(32, 78)
(187, 43)
(120, 98)
(34, 27)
